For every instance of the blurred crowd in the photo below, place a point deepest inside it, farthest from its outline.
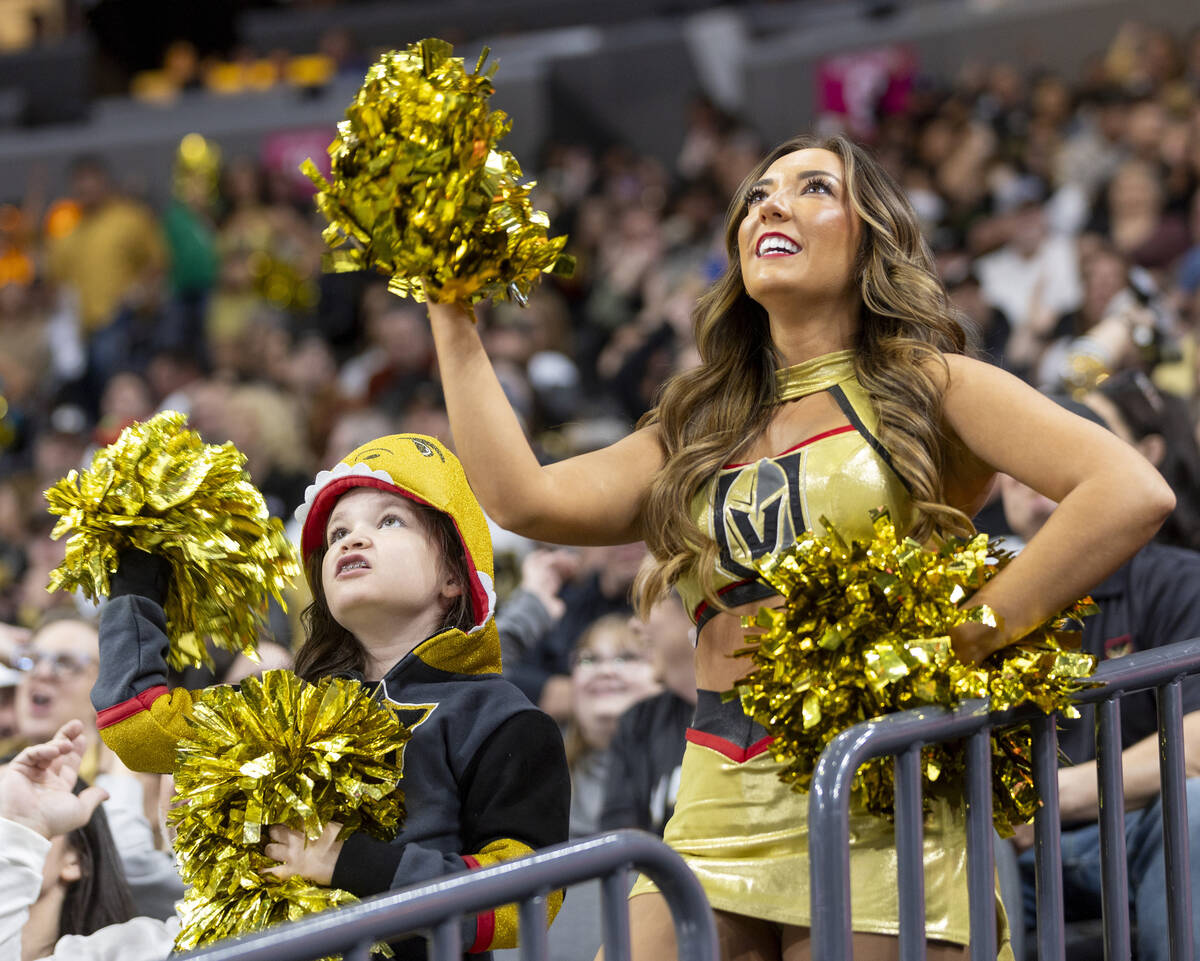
(1063, 212)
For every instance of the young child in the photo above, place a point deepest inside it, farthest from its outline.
(399, 558)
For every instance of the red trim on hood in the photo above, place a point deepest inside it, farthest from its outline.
(311, 533)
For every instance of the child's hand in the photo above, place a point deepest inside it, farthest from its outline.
(297, 855)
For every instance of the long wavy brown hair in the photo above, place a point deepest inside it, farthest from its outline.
(706, 415)
(330, 649)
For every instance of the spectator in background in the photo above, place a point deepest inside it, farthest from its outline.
(537, 645)
(25, 372)
(42, 555)
(398, 359)
(59, 666)
(13, 558)
(612, 668)
(9, 678)
(1093, 146)
(1132, 216)
(309, 377)
(66, 897)
(270, 259)
(353, 429)
(113, 262)
(263, 424)
(170, 373)
(189, 225)
(647, 749)
(1034, 270)
(1157, 424)
(986, 326)
(126, 398)
(1149, 602)
(1044, 344)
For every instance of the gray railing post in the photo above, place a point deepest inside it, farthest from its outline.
(1047, 832)
(616, 917)
(904, 733)
(828, 843)
(981, 857)
(533, 936)
(1175, 831)
(1114, 877)
(909, 854)
(829, 805)
(447, 941)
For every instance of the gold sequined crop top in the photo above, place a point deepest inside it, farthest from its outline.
(756, 509)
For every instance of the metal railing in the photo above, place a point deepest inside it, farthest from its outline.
(437, 908)
(903, 735)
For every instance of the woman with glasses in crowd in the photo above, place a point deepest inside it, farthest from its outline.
(58, 667)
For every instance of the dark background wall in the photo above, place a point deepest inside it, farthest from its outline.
(623, 77)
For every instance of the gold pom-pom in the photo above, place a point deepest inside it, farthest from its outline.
(420, 191)
(160, 489)
(864, 632)
(277, 751)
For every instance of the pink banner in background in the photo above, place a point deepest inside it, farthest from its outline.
(285, 151)
(855, 88)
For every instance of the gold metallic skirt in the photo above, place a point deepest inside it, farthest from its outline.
(745, 835)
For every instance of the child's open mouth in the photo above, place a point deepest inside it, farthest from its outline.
(352, 562)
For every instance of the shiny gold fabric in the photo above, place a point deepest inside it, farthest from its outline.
(840, 476)
(740, 828)
(744, 833)
(813, 376)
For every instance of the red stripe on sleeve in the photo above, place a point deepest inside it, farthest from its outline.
(485, 924)
(485, 931)
(126, 709)
(739, 755)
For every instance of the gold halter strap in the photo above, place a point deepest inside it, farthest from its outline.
(814, 376)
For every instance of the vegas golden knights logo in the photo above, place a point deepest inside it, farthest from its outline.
(411, 716)
(757, 511)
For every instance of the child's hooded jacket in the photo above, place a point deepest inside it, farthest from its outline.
(485, 776)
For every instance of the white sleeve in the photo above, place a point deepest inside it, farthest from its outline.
(22, 855)
(142, 939)
(153, 878)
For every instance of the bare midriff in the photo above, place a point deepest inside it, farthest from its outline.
(717, 666)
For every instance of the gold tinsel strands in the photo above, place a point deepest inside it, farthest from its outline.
(159, 488)
(864, 632)
(276, 751)
(420, 191)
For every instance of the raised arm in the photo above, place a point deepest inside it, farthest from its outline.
(137, 715)
(1111, 500)
(595, 498)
